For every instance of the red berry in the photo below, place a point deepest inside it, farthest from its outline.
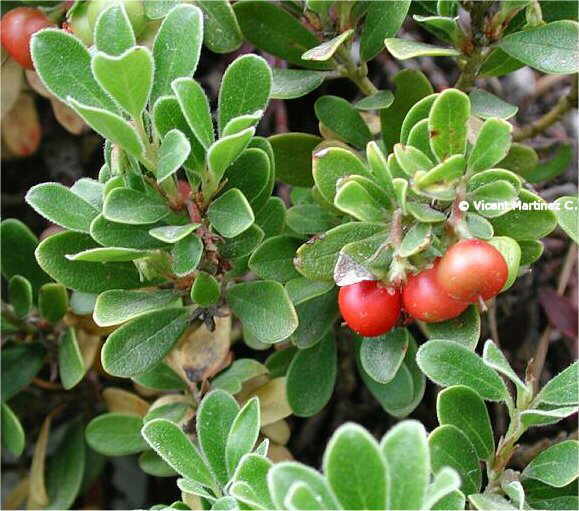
(426, 301)
(369, 308)
(472, 269)
(17, 27)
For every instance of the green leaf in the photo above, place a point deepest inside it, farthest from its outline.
(264, 309)
(310, 219)
(563, 389)
(242, 435)
(167, 115)
(245, 88)
(273, 259)
(454, 500)
(359, 481)
(242, 245)
(412, 160)
(215, 417)
(186, 255)
(494, 357)
(555, 466)
(331, 164)
(419, 112)
(242, 370)
(110, 126)
(90, 190)
(520, 159)
(283, 475)
(445, 482)
(405, 449)
(63, 64)
(491, 146)
(177, 47)
(151, 463)
(61, 206)
(205, 290)
(532, 417)
(66, 468)
(566, 214)
(294, 83)
(128, 78)
(416, 240)
(326, 50)
(343, 119)
(489, 501)
(20, 242)
(80, 275)
(447, 171)
(383, 19)
(113, 234)
(300, 496)
(173, 153)
(448, 363)
(493, 175)
(143, 342)
(526, 222)
(277, 32)
(381, 357)
(293, 157)
(172, 233)
(195, 107)
(354, 199)
(226, 150)
(444, 28)
(511, 253)
(52, 302)
(316, 317)
(311, 377)
(479, 227)
(230, 213)
(552, 168)
(160, 377)
(169, 442)
(20, 364)
(113, 33)
(117, 306)
(448, 123)
(221, 33)
(71, 366)
(403, 49)
(462, 407)
(108, 255)
(252, 471)
(250, 174)
(419, 137)
(129, 206)
(494, 199)
(20, 294)
(411, 87)
(316, 260)
(499, 63)
(450, 447)
(225, 503)
(423, 213)
(487, 106)
(551, 48)
(115, 434)
(13, 436)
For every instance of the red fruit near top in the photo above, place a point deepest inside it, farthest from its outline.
(425, 300)
(369, 308)
(472, 269)
(17, 27)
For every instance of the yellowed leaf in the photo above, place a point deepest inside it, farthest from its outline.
(250, 386)
(38, 498)
(16, 498)
(278, 432)
(89, 346)
(36, 84)
(67, 117)
(277, 453)
(193, 501)
(273, 401)
(200, 353)
(21, 130)
(11, 84)
(122, 401)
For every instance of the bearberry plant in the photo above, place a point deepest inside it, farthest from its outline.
(216, 282)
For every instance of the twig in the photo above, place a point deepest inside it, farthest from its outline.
(564, 104)
(543, 346)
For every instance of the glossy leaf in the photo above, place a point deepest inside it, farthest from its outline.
(173, 153)
(273, 259)
(294, 83)
(226, 150)
(556, 465)
(382, 357)
(230, 214)
(343, 119)
(71, 367)
(13, 436)
(128, 206)
(563, 389)
(195, 107)
(492, 145)
(115, 434)
(20, 295)
(326, 50)
(567, 216)
(20, 364)
(293, 157)
(448, 123)
(221, 33)
(406, 49)
(487, 106)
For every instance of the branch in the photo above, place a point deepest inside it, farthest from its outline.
(564, 104)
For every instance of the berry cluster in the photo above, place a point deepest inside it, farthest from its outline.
(471, 270)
